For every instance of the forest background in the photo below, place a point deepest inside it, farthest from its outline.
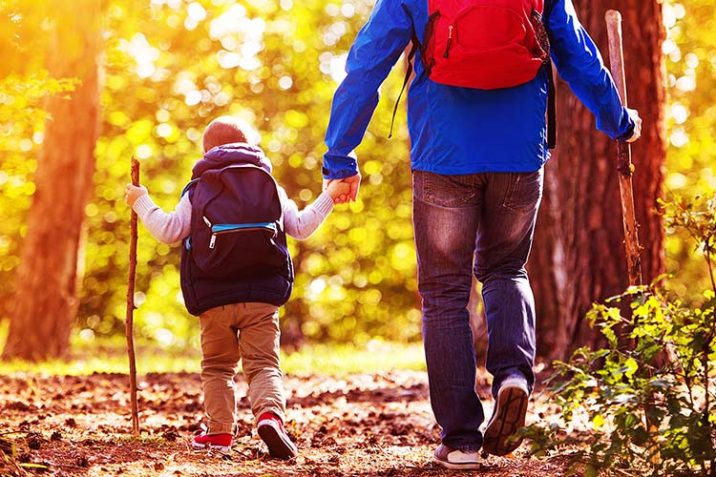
(167, 67)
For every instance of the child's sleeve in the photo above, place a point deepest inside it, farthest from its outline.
(301, 224)
(166, 227)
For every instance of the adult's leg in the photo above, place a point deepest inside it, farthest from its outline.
(445, 217)
(504, 241)
(503, 244)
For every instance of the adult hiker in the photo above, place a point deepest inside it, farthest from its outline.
(479, 141)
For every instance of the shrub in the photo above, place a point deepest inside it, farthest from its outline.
(646, 402)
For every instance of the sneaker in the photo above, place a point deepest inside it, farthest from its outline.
(218, 442)
(508, 417)
(456, 459)
(271, 431)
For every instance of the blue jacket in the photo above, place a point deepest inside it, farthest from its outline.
(460, 130)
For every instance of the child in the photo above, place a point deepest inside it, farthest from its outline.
(235, 273)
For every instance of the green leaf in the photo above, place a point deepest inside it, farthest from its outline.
(598, 422)
(631, 367)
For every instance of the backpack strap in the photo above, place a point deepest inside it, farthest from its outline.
(548, 5)
(551, 93)
(551, 108)
(551, 87)
(408, 72)
(189, 186)
(188, 189)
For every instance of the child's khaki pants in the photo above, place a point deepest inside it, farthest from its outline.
(247, 331)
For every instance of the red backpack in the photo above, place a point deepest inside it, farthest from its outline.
(486, 44)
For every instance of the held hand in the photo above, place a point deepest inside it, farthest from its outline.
(338, 190)
(342, 196)
(345, 196)
(634, 115)
(132, 193)
(354, 182)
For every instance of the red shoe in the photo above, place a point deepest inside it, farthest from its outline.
(271, 431)
(219, 442)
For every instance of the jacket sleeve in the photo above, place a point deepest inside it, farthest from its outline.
(301, 224)
(376, 49)
(579, 63)
(166, 227)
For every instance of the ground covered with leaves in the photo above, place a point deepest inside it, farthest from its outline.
(357, 425)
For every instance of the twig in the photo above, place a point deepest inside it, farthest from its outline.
(625, 166)
(129, 323)
(710, 267)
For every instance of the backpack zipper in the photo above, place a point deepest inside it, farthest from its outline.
(222, 229)
(212, 242)
(449, 42)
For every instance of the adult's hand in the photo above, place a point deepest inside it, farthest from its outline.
(353, 182)
(634, 115)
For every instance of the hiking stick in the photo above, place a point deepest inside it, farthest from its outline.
(129, 323)
(626, 169)
(624, 164)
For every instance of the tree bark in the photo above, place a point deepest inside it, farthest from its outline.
(48, 278)
(579, 256)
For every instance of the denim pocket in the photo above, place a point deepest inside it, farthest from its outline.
(442, 190)
(525, 191)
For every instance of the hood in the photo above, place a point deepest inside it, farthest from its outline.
(228, 154)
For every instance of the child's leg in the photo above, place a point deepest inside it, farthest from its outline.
(259, 337)
(220, 350)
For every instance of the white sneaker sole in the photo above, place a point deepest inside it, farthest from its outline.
(452, 466)
(461, 461)
(210, 447)
(507, 419)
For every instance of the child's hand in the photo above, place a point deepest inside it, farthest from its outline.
(133, 193)
(337, 188)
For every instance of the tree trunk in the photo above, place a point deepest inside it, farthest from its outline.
(48, 278)
(579, 256)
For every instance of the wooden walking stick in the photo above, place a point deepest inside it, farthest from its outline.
(624, 164)
(129, 323)
(626, 169)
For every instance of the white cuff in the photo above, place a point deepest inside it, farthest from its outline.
(143, 205)
(323, 204)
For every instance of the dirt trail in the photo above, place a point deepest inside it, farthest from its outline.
(360, 425)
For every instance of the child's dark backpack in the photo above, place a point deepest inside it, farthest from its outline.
(236, 218)
(236, 250)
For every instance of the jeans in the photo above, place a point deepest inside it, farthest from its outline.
(482, 224)
(247, 332)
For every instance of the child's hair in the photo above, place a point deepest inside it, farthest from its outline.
(224, 130)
